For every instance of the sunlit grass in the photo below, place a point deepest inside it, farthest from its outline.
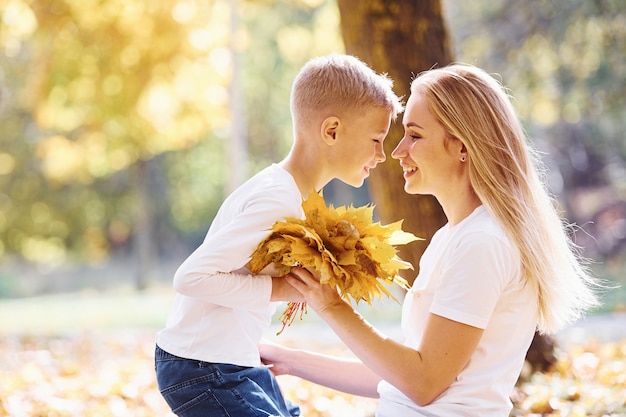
(84, 311)
(91, 354)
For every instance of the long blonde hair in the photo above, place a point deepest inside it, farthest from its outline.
(506, 174)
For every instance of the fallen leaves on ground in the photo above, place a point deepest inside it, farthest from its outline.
(110, 374)
(586, 381)
(103, 375)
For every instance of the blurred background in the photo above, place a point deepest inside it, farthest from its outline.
(124, 124)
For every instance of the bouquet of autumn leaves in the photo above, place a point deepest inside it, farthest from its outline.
(350, 251)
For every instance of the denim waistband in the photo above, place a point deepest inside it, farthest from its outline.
(160, 354)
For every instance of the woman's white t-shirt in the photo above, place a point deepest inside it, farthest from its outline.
(221, 311)
(470, 273)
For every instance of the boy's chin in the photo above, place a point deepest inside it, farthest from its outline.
(355, 183)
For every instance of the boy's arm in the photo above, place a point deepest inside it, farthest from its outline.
(215, 270)
(283, 291)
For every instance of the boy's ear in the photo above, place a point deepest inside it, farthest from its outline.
(329, 129)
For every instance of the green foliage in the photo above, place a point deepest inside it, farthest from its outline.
(196, 180)
(565, 64)
(282, 38)
(92, 87)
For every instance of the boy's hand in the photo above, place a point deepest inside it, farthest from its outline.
(319, 296)
(283, 291)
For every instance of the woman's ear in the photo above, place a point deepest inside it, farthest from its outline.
(463, 153)
(329, 129)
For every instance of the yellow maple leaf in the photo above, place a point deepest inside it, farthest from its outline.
(351, 252)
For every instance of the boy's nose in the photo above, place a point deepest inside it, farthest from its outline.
(380, 155)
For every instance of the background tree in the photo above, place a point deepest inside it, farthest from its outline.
(110, 85)
(99, 92)
(400, 38)
(567, 66)
(118, 122)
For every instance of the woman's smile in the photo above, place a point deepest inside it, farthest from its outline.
(408, 170)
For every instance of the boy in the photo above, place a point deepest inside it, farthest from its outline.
(207, 361)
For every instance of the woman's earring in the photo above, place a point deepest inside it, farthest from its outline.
(463, 158)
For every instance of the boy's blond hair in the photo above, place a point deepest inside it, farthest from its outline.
(339, 85)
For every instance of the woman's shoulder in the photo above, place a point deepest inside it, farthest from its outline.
(483, 233)
(482, 223)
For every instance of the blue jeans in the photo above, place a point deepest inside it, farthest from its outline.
(200, 389)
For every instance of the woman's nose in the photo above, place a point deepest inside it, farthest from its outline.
(399, 151)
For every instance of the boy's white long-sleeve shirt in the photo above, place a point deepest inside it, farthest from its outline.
(221, 311)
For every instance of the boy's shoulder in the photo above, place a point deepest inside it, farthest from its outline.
(272, 191)
(272, 182)
(271, 176)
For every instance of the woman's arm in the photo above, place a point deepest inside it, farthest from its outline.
(422, 374)
(343, 374)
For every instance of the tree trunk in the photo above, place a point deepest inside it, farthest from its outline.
(400, 38)
(403, 38)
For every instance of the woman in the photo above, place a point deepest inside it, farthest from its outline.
(501, 268)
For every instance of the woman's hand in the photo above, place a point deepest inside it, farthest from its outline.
(319, 296)
(274, 356)
(343, 374)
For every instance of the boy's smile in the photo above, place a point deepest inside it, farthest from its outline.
(360, 145)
